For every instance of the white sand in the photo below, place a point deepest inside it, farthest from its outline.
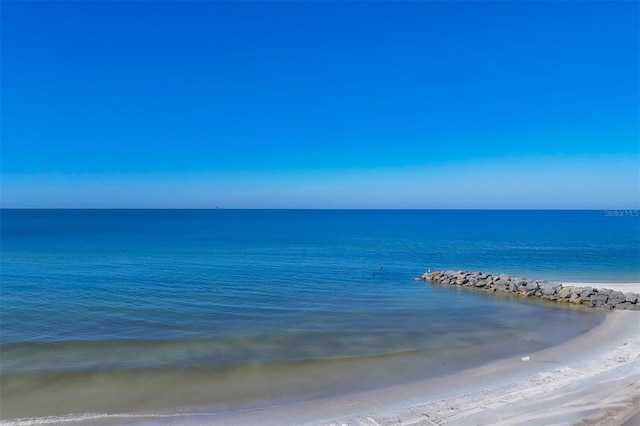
(593, 379)
(623, 287)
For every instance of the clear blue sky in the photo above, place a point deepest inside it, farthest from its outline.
(321, 104)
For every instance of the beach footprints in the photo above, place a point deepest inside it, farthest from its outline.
(364, 421)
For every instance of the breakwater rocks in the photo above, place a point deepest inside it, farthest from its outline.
(588, 296)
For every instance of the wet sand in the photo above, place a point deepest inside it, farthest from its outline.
(593, 379)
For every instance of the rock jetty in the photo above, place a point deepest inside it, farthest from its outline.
(588, 296)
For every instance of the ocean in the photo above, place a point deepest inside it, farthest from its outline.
(112, 314)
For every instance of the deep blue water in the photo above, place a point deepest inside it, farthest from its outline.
(137, 296)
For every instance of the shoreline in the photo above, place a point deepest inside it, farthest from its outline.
(592, 379)
(595, 376)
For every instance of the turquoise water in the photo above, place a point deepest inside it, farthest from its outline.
(127, 311)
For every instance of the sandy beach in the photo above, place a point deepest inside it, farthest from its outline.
(623, 287)
(593, 379)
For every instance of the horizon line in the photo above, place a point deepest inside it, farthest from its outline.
(324, 209)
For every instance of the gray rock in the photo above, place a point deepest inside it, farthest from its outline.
(564, 292)
(505, 277)
(546, 288)
(616, 297)
(532, 286)
(479, 283)
(624, 306)
(502, 285)
(598, 300)
(586, 292)
(575, 298)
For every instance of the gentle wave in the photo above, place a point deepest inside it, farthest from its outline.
(84, 417)
(100, 306)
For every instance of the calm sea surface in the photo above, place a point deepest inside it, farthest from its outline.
(168, 311)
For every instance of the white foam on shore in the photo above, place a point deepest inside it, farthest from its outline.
(92, 418)
(595, 375)
(75, 418)
(49, 420)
